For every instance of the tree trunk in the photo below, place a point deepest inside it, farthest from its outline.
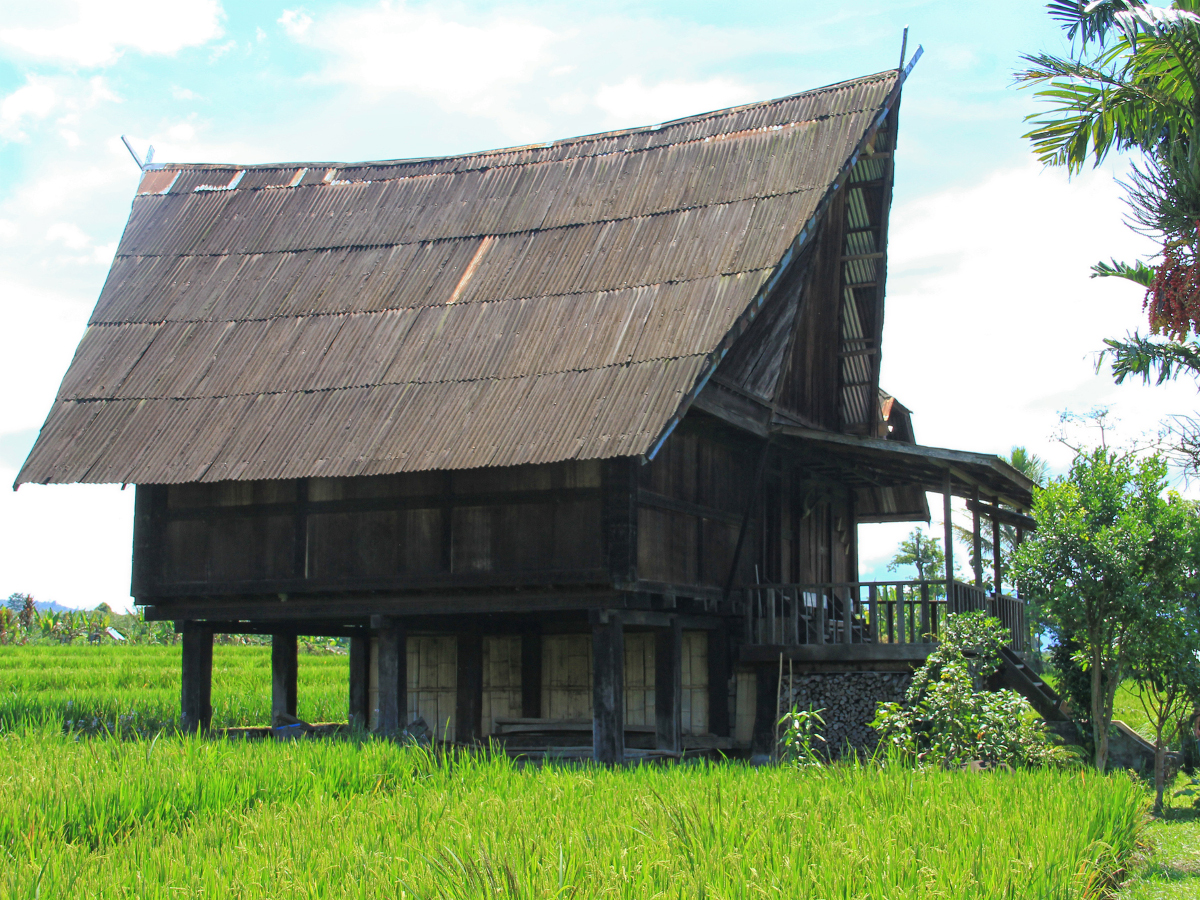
(1160, 770)
(1099, 725)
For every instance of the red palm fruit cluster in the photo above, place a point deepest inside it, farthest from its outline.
(1173, 299)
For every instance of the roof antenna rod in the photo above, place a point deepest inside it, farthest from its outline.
(903, 48)
(137, 159)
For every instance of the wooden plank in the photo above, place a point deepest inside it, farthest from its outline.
(608, 689)
(468, 717)
(195, 699)
(873, 610)
(668, 687)
(531, 674)
(393, 676)
(360, 661)
(284, 666)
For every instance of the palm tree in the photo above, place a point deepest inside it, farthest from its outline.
(1132, 84)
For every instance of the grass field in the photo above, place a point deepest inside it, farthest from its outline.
(97, 816)
(105, 686)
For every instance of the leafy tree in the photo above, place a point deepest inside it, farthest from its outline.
(1092, 564)
(1132, 83)
(1165, 654)
(922, 552)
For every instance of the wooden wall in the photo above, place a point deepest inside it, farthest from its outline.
(566, 679)
(691, 500)
(518, 524)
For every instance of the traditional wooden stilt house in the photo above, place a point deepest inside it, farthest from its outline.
(571, 440)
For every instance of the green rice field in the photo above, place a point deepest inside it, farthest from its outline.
(94, 815)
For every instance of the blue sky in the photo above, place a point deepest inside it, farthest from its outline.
(991, 319)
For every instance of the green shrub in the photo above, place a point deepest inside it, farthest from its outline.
(948, 718)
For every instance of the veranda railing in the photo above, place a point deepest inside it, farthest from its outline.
(895, 612)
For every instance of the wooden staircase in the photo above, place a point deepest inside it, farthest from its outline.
(1017, 674)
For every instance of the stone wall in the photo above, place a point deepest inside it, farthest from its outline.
(848, 700)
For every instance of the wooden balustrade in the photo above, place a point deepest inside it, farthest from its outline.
(868, 612)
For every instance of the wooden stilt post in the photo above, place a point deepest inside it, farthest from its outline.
(948, 526)
(284, 664)
(360, 682)
(468, 712)
(393, 675)
(195, 699)
(608, 687)
(718, 683)
(668, 687)
(531, 675)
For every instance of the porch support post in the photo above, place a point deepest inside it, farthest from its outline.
(195, 698)
(996, 554)
(360, 682)
(718, 683)
(393, 675)
(977, 542)
(284, 665)
(468, 712)
(949, 539)
(608, 687)
(668, 687)
(531, 675)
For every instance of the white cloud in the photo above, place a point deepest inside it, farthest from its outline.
(633, 103)
(295, 23)
(68, 234)
(35, 99)
(94, 33)
(41, 96)
(389, 47)
(993, 322)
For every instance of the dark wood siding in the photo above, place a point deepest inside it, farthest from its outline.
(476, 526)
(691, 501)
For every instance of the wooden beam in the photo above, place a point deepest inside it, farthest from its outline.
(608, 689)
(1005, 516)
(360, 682)
(393, 676)
(195, 699)
(468, 710)
(668, 687)
(719, 673)
(531, 674)
(284, 666)
(831, 653)
(976, 540)
(996, 574)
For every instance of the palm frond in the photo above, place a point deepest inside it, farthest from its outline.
(1137, 272)
(1160, 360)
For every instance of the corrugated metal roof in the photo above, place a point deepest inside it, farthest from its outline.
(524, 305)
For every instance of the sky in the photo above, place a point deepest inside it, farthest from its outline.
(992, 322)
